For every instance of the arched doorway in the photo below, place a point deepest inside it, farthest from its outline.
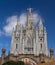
(28, 61)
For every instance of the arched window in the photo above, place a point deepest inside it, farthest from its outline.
(41, 46)
(16, 46)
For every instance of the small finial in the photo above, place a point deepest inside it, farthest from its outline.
(29, 9)
(40, 22)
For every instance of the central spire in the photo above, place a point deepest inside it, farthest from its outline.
(30, 19)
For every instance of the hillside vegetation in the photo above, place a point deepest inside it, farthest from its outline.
(14, 63)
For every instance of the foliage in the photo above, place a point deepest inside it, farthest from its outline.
(14, 63)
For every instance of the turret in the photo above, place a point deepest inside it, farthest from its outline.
(51, 53)
(3, 55)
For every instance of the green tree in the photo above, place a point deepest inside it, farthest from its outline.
(14, 63)
(20, 63)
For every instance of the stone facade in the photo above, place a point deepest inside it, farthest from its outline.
(29, 44)
(28, 39)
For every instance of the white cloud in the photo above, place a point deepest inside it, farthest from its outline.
(36, 18)
(12, 21)
(23, 19)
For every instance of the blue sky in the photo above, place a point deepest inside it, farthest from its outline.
(10, 9)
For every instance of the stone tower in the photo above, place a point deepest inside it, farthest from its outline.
(28, 39)
(41, 39)
(16, 47)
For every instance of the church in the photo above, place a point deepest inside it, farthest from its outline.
(29, 43)
(28, 39)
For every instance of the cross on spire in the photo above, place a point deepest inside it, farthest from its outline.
(29, 9)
